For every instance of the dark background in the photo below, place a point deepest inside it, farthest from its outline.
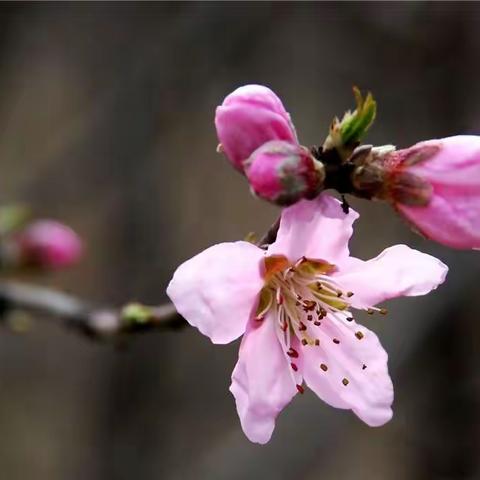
(106, 122)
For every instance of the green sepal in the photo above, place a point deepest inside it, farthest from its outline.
(136, 314)
(354, 126)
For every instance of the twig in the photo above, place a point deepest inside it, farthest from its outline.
(93, 322)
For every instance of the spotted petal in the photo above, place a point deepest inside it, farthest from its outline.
(317, 229)
(397, 271)
(349, 370)
(262, 382)
(217, 290)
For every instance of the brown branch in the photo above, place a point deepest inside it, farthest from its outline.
(270, 235)
(93, 322)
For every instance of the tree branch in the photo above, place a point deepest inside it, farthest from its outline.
(93, 322)
(101, 323)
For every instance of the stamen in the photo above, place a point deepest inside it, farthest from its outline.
(300, 389)
(292, 353)
(359, 335)
(304, 341)
(336, 341)
(309, 318)
(317, 323)
(294, 367)
(317, 342)
(323, 367)
(345, 381)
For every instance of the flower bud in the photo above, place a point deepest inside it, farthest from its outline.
(435, 184)
(283, 173)
(249, 117)
(48, 244)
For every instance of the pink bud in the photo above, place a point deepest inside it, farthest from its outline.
(48, 244)
(249, 117)
(436, 185)
(283, 172)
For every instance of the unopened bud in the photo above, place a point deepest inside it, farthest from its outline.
(284, 173)
(48, 244)
(249, 117)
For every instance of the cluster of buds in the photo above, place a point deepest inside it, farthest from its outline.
(259, 139)
(42, 244)
(434, 184)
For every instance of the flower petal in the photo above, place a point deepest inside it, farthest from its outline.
(317, 229)
(397, 271)
(217, 290)
(349, 370)
(262, 382)
(452, 217)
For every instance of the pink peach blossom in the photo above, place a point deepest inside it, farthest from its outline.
(444, 173)
(48, 244)
(292, 303)
(249, 117)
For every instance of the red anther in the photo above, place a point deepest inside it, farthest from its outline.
(304, 342)
(294, 367)
(349, 319)
(284, 326)
(317, 342)
(292, 353)
(302, 327)
(300, 389)
(317, 323)
(309, 318)
(364, 367)
(260, 318)
(336, 341)
(297, 303)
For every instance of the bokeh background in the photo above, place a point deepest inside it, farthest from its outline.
(106, 122)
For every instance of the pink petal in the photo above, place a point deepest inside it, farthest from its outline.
(249, 117)
(350, 372)
(262, 381)
(217, 290)
(397, 271)
(452, 217)
(317, 229)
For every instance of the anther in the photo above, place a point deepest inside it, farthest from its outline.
(339, 293)
(304, 342)
(364, 367)
(294, 367)
(309, 318)
(292, 353)
(359, 335)
(323, 367)
(317, 323)
(297, 303)
(370, 311)
(317, 342)
(300, 389)
(383, 311)
(336, 341)
(284, 326)
(345, 381)
(349, 319)
(349, 294)
(302, 327)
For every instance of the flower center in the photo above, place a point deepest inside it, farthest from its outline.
(301, 296)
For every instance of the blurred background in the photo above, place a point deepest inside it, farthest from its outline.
(106, 123)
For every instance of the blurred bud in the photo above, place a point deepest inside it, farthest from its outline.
(249, 117)
(48, 244)
(436, 186)
(283, 173)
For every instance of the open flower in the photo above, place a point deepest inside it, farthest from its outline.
(293, 304)
(435, 184)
